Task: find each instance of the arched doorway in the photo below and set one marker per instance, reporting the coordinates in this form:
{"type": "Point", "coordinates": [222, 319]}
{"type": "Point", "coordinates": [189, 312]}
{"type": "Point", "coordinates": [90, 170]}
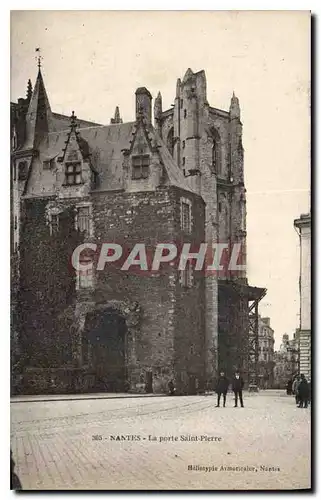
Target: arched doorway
{"type": "Point", "coordinates": [105, 331]}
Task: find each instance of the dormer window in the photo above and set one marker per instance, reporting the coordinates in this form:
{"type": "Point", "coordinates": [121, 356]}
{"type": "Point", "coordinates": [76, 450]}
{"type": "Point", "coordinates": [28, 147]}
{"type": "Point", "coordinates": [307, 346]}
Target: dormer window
{"type": "Point", "coordinates": [140, 167]}
{"type": "Point", "coordinates": [48, 164]}
{"type": "Point", "coordinates": [73, 173]}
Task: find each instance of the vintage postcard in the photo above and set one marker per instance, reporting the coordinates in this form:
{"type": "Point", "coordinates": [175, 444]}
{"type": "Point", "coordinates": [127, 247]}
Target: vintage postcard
{"type": "Point", "coordinates": [160, 250]}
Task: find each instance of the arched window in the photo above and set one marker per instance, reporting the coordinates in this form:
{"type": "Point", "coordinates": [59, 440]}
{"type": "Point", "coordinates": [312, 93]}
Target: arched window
{"type": "Point", "coordinates": [216, 156]}
{"type": "Point", "coordinates": [170, 141]}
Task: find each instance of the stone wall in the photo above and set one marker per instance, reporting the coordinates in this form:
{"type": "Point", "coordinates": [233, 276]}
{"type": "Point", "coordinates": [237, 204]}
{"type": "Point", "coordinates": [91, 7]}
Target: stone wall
{"type": "Point", "coordinates": [166, 337]}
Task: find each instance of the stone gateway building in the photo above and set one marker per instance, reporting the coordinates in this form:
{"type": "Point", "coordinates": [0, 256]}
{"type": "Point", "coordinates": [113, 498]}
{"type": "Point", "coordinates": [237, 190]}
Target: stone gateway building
{"type": "Point", "coordinates": [177, 178]}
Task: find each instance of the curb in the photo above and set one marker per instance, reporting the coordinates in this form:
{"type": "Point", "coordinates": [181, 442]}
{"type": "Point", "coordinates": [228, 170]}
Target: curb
{"type": "Point", "coordinates": [91, 398]}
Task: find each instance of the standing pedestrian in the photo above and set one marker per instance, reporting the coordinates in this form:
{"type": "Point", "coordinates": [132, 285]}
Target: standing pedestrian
{"type": "Point", "coordinates": [289, 387]}
{"type": "Point", "coordinates": [237, 387]}
{"type": "Point", "coordinates": [295, 386]}
{"type": "Point", "coordinates": [309, 385]}
{"type": "Point", "coordinates": [171, 388]}
{"type": "Point", "coordinates": [221, 388]}
{"type": "Point", "coordinates": [303, 392]}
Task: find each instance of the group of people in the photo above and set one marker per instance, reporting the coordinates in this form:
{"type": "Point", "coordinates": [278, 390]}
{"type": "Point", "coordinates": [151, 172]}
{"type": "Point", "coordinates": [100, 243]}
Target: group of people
{"type": "Point", "coordinates": [301, 389]}
{"type": "Point", "coordinates": [221, 389]}
{"type": "Point", "coordinates": [222, 386]}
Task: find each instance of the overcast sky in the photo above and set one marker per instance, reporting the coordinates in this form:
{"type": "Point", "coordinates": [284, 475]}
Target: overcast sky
{"type": "Point", "coordinates": [93, 61]}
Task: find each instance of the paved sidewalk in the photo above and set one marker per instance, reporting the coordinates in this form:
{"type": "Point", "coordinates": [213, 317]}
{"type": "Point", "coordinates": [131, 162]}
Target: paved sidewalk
{"type": "Point", "coordinates": [127, 443]}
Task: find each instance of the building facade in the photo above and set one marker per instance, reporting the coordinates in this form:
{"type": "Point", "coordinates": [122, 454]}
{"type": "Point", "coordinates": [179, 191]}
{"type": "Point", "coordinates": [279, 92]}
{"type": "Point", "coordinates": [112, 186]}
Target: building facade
{"type": "Point", "coordinates": [266, 354]}
{"type": "Point", "coordinates": [286, 360]}
{"type": "Point", "coordinates": [303, 225]}
{"type": "Point", "coordinates": [179, 179]}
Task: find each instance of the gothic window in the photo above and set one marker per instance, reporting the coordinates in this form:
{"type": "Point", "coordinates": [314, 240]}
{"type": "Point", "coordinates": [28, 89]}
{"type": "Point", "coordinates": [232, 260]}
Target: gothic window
{"type": "Point", "coordinates": [83, 219]}
{"type": "Point", "coordinates": [183, 144]}
{"type": "Point", "coordinates": [14, 141]}
{"type": "Point", "coordinates": [85, 277]}
{"type": "Point", "coordinates": [185, 113]}
{"type": "Point", "coordinates": [186, 216]}
{"type": "Point", "coordinates": [170, 141]}
{"type": "Point", "coordinates": [140, 167]}
{"type": "Point", "coordinates": [216, 152]}
{"type": "Point", "coordinates": [15, 222]}
{"type": "Point", "coordinates": [73, 173]}
{"type": "Point", "coordinates": [22, 171]}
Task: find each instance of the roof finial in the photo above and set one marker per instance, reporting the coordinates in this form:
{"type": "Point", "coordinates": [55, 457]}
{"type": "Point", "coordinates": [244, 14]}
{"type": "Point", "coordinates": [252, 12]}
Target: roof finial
{"type": "Point", "coordinates": [39, 56]}
{"type": "Point", "coordinates": [73, 121]}
{"type": "Point", "coordinates": [117, 118]}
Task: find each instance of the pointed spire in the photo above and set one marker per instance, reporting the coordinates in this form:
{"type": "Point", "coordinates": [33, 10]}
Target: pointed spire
{"type": "Point", "coordinates": [117, 118]}
{"type": "Point", "coordinates": [189, 73]}
{"type": "Point", "coordinates": [158, 109]}
{"type": "Point", "coordinates": [235, 107]}
{"type": "Point", "coordinates": [39, 120]}
{"type": "Point", "coordinates": [117, 114]}
{"type": "Point", "coordinates": [29, 90]}
{"type": "Point", "coordinates": [158, 106]}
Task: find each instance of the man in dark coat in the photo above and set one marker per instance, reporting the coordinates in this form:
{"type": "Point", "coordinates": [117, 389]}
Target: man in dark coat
{"type": "Point", "coordinates": [237, 387]}
{"type": "Point", "coordinates": [289, 387]}
{"type": "Point", "coordinates": [303, 392]}
{"type": "Point", "coordinates": [221, 388]}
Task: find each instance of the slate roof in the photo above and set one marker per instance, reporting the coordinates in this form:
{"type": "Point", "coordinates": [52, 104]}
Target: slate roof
{"type": "Point", "coordinates": [62, 122]}
{"type": "Point", "coordinates": [105, 144]}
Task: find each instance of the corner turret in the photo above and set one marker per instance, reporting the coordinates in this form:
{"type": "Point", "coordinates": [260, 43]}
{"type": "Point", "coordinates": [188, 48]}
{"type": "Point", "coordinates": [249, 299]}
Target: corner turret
{"type": "Point", "coordinates": [235, 108]}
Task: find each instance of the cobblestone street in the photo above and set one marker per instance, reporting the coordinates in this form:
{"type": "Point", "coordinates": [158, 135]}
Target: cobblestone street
{"type": "Point", "coordinates": [72, 444]}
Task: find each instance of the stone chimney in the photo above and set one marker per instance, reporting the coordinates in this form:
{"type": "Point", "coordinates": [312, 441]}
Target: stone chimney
{"type": "Point", "coordinates": [143, 104]}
